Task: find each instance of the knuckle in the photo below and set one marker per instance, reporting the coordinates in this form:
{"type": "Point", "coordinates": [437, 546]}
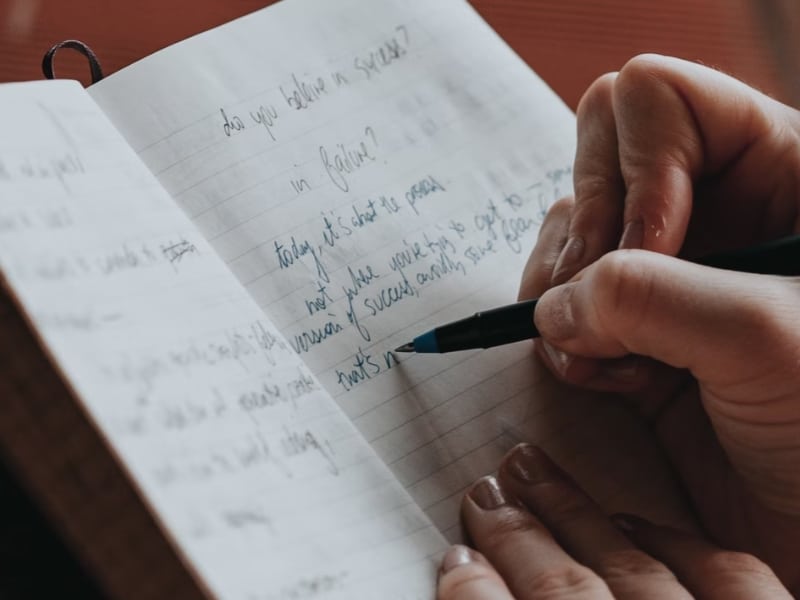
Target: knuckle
{"type": "Point", "coordinates": [623, 289]}
{"type": "Point", "coordinates": [736, 565]}
{"type": "Point", "coordinates": [648, 84]}
{"type": "Point", "coordinates": [770, 307]}
{"type": "Point", "coordinates": [560, 503]}
{"type": "Point", "coordinates": [598, 97]}
{"type": "Point", "coordinates": [509, 527]}
{"type": "Point", "coordinates": [595, 195]}
{"type": "Point", "coordinates": [563, 581]}
{"type": "Point", "coordinates": [561, 209]}
{"type": "Point", "coordinates": [458, 583]}
{"type": "Point", "coordinates": [640, 72]}
{"type": "Point", "coordinates": [591, 188]}
{"type": "Point", "coordinates": [556, 220]}
{"type": "Point", "coordinates": [623, 565]}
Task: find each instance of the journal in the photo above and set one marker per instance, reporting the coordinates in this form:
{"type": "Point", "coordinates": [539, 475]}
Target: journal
{"type": "Point", "coordinates": [208, 258]}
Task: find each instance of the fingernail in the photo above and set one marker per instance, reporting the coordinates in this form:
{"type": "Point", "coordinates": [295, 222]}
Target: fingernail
{"type": "Point", "coordinates": [568, 260]}
{"type": "Point", "coordinates": [487, 494]}
{"type": "Point", "coordinates": [560, 360]}
{"type": "Point", "coordinates": [456, 556]}
{"type": "Point", "coordinates": [528, 464]}
{"type": "Point", "coordinates": [633, 235]}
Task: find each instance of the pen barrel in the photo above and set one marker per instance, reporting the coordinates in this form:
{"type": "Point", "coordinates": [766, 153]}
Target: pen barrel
{"type": "Point", "coordinates": [777, 257]}
{"type": "Point", "coordinates": [489, 328]}
{"type": "Point", "coordinates": [514, 323]}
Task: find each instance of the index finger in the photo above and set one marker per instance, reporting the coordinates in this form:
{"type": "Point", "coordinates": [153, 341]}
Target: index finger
{"type": "Point", "coordinates": [645, 138]}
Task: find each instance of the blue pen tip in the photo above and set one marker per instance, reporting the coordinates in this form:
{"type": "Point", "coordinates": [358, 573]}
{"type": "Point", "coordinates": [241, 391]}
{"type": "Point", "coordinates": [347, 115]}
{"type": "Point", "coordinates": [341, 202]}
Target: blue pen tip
{"type": "Point", "coordinates": [426, 343]}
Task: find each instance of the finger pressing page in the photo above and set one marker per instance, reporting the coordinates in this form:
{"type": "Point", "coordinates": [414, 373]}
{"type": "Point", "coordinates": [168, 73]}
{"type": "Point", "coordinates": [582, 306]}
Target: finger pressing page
{"type": "Point", "coordinates": [582, 529]}
{"type": "Point", "coordinates": [705, 569]}
{"type": "Point", "coordinates": [599, 190]}
{"type": "Point", "coordinates": [552, 235]}
{"type": "Point", "coordinates": [466, 575]}
{"type": "Point", "coordinates": [530, 561]}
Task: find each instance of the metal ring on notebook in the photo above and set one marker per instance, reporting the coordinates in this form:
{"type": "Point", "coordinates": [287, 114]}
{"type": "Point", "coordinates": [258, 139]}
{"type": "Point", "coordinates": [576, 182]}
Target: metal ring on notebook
{"type": "Point", "coordinates": [94, 64]}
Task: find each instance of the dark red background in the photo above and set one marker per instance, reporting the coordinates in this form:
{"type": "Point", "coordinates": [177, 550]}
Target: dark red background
{"type": "Point", "coordinates": [568, 42]}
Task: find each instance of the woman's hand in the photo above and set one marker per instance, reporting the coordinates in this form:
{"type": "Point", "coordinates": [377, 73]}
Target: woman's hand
{"type": "Point", "coordinates": [541, 537]}
{"type": "Point", "coordinates": [681, 160]}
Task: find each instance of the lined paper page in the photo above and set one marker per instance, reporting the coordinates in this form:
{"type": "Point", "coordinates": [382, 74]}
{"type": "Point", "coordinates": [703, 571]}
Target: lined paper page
{"type": "Point", "coordinates": [368, 170]}
{"type": "Point", "coordinates": [256, 474]}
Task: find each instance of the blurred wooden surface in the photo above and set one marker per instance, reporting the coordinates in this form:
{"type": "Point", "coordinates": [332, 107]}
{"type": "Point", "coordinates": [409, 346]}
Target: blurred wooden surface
{"type": "Point", "coordinates": [568, 42]}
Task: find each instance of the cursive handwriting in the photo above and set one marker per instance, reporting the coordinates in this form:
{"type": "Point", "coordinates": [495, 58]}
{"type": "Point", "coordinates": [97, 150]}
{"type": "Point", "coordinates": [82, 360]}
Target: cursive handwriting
{"type": "Point", "coordinates": [341, 160]}
{"type": "Point", "coordinates": [233, 345]}
{"type": "Point", "coordinates": [302, 92]}
{"type": "Point", "coordinates": [405, 271]}
{"type": "Point", "coordinates": [308, 587]}
{"type": "Point", "coordinates": [387, 53]}
{"type": "Point", "coordinates": [42, 168]}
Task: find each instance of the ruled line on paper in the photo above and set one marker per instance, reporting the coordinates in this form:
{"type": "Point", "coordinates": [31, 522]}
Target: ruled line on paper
{"type": "Point", "coordinates": [413, 199]}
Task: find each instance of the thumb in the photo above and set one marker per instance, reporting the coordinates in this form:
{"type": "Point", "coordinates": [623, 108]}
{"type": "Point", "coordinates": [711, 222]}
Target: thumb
{"type": "Point", "coordinates": [737, 333]}
{"type": "Point", "coordinates": [725, 327]}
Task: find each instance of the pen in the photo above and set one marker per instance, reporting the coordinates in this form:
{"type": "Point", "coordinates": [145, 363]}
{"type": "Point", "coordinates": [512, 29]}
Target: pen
{"type": "Point", "coordinates": [514, 323]}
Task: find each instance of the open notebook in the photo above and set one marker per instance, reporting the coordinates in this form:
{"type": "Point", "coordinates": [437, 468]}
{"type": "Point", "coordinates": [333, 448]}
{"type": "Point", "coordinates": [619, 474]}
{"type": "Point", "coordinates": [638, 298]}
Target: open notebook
{"type": "Point", "coordinates": [209, 257]}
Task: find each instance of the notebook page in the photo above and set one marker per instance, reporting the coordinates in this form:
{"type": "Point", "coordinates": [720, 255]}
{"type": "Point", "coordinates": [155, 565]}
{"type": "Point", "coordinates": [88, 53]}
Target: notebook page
{"type": "Point", "coordinates": [370, 169]}
{"type": "Point", "coordinates": [261, 481]}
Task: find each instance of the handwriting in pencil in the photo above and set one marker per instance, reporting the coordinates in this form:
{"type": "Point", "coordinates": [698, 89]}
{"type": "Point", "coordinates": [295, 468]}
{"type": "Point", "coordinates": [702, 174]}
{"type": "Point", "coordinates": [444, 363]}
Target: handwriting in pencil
{"type": "Point", "coordinates": [407, 269]}
{"type": "Point", "coordinates": [423, 188]}
{"type": "Point", "coordinates": [342, 159]}
{"type": "Point", "coordinates": [60, 167]}
{"type": "Point", "coordinates": [363, 367]}
{"type": "Point", "coordinates": [252, 451]}
{"type": "Point", "coordinates": [307, 588]}
{"type": "Point", "coordinates": [291, 253]}
{"type": "Point", "coordinates": [303, 91]}
{"type": "Point", "coordinates": [306, 339]}
{"type": "Point", "coordinates": [254, 342]}
{"type": "Point", "coordinates": [384, 55]}
{"type": "Point", "coordinates": [175, 252]}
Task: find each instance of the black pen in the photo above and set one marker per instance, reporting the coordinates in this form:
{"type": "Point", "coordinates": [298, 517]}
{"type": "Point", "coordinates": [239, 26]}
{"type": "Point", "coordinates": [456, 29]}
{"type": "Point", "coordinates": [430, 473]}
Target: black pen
{"type": "Point", "coordinates": [514, 323]}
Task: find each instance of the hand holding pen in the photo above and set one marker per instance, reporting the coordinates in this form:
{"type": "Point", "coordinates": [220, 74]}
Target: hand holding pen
{"type": "Point", "coordinates": [674, 162]}
{"type": "Point", "coordinates": [515, 322]}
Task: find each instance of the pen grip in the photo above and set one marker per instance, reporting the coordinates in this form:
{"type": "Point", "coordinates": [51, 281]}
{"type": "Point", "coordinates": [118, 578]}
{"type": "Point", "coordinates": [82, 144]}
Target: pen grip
{"type": "Point", "coordinates": [514, 323]}
{"type": "Point", "coordinates": [507, 324]}
{"type": "Point", "coordinates": [489, 328]}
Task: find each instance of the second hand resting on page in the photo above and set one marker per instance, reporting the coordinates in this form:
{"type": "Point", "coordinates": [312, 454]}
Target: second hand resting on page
{"type": "Point", "coordinates": [673, 159]}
